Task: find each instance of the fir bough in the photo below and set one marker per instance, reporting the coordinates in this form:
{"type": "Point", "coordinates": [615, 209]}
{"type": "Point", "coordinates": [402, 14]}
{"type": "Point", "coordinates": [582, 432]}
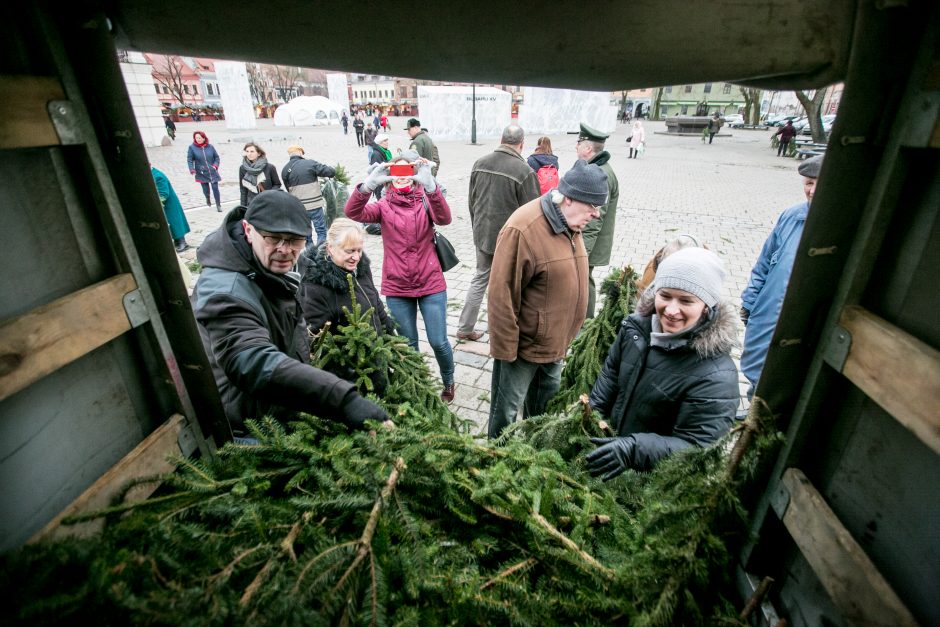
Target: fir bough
{"type": "Point", "coordinates": [589, 350]}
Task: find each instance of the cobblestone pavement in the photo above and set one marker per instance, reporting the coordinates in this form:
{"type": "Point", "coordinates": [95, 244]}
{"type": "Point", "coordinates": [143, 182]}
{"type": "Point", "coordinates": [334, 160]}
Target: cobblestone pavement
{"type": "Point", "coordinates": [728, 194]}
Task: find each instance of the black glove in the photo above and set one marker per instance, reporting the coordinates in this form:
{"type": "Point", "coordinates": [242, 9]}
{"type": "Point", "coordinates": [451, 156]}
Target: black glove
{"type": "Point", "coordinates": [745, 314]}
{"type": "Point", "coordinates": [356, 410]}
{"type": "Point", "coordinates": [612, 457]}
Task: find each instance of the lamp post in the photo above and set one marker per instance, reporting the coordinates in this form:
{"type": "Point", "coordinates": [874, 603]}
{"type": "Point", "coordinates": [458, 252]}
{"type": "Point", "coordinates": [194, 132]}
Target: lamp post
{"type": "Point", "coordinates": [473, 121]}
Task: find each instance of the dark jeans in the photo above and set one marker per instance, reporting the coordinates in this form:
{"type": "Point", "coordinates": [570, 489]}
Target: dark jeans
{"type": "Point", "coordinates": [518, 383]}
{"type": "Point", "coordinates": [434, 311]}
{"type": "Point", "coordinates": [782, 147]}
{"type": "Point", "coordinates": [215, 191]}
{"type": "Point", "coordinates": [359, 137]}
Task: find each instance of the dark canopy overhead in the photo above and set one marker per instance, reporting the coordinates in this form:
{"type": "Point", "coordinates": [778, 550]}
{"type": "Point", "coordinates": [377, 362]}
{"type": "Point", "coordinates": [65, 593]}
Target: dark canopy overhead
{"type": "Point", "coordinates": [605, 44]}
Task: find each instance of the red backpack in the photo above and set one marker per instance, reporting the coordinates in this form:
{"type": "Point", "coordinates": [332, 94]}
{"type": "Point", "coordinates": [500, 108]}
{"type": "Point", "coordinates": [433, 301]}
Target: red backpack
{"type": "Point", "coordinates": [548, 178]}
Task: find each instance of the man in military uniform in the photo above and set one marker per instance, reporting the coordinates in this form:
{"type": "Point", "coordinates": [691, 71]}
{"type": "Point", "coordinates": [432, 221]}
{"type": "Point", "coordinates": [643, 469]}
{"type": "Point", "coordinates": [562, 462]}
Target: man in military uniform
{"type": "Point", "coordinates": [422, 144]}
{"type": "Point", "coordinates": [598, 234]}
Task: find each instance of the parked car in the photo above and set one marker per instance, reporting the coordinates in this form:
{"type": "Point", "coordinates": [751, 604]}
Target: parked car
{"type": "Point", "coordinates": [778, 119]}
{"type": "Point", "coordinates": [734, 118]}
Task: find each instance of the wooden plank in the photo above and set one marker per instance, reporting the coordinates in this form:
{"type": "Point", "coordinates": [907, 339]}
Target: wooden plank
{"type": "Point", "coordinates": [147, 459]}
{"type": "Point", "coordinates": [854, 585]}
{"type": "Point", "coordinates": [24, 118]}
{"type": "Point", "coordinates": [896, 370]}
{"type": "Point", "coordinates": [49, 337]}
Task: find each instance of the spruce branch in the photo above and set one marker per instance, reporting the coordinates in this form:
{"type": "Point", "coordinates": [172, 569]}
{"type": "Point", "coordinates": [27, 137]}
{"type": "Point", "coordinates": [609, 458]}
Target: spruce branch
{"type": "Point", "coordinates": [570, 545]}
{"type": "Point", "coordinates": [523, 565]}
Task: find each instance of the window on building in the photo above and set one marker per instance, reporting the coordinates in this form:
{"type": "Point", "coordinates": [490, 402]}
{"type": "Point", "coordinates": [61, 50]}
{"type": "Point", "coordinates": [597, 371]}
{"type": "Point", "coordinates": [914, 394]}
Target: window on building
{"type": "Point", "coordinates": [185, 89]}
{"type": "Point", "coordinates": [726, 89]}
{"type": "Point", "coordinates": [157, 87]}
{"type": "Point", "coordinates": [209, 89]}
{"type": "Point", "coordinates": [166, 89]}
{"type": "Point", "coordinates": [688, 90]}
{"type": "Point", "coordinates": [708, 88]}
{"type": "Point", "coordinates": [218, 91]}
{"type": "Point", "coordinates": [195, 90]}
{"type": "Point", "coordinates": [685, 109]}
{"type": "Point", "coordinates": [667, 90]}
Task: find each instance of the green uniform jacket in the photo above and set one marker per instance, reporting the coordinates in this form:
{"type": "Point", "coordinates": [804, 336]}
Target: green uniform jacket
{"type": "Point", "coordinates": [424, 146]}
{"type": "Point", "coordinates": [599, 234]}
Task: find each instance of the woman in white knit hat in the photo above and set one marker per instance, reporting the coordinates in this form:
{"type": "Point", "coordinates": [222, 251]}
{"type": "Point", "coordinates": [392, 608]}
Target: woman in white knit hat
{"type": "Point", "coordinates": [669, 382]}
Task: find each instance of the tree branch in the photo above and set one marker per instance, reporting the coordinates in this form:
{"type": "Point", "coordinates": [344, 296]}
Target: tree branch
{"type": "Point", "coordinates": [570, 545]}
{"type": "Point", "coordinates": [512, 569]}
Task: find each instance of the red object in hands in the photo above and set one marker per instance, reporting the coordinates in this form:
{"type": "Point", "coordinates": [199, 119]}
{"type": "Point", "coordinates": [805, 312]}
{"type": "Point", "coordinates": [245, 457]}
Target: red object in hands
{"type": "Point", "coordinates": [401, 169]}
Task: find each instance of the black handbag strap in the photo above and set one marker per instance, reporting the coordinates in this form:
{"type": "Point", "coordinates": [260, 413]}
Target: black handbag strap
{"type": "Point", "coordinates": [427, 209]}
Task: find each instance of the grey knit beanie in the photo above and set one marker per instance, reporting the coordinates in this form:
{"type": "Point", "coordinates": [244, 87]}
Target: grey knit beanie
{"type": "Point", "coordinates": [584, 182]}
{"type": "Point", "coordinates": [696, 270]}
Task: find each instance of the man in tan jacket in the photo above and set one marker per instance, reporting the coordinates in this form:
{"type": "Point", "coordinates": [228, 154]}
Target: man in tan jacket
{"type": "Point", "coordinates": [538, 293]}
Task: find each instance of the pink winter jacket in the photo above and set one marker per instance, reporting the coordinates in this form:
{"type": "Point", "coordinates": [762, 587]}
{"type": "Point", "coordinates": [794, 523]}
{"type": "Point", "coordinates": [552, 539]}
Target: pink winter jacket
{"type": "Point", "coordinates": [410, 268]}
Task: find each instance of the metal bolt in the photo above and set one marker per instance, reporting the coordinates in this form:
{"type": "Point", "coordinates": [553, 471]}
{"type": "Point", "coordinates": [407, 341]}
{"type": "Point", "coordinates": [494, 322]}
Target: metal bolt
{"type": "Point", "coordinates": [63, 110]}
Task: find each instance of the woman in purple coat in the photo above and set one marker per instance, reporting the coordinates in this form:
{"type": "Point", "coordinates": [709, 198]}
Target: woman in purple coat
{"type": "Point", "coordinates": [203, 161]}
{"type": "Point", "coordinates": [412, 278]}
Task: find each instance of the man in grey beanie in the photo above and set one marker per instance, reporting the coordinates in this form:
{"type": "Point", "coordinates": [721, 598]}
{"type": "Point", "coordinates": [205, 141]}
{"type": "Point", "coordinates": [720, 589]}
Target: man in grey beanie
{"type": "Point", "coordinates": [762, 299]}
{"type": "Point", "coordinates": [247, 306]}
{"type": "Point", "coordinates": [538, 293]}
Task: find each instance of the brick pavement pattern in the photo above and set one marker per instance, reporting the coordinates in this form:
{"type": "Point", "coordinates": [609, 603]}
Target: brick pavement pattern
{"type": "Point", "coordinates": [727, 194]}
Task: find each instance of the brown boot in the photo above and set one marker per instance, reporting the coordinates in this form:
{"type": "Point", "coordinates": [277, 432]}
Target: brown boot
{"type": "Point", "coordinates": [447, 394]}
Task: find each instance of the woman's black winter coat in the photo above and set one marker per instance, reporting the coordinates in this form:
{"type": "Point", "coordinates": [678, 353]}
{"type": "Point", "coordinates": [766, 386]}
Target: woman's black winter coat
{"type": "Point", "coordinates": [326, 292]}
{"type": "Point", "coordinates": [669, 399]}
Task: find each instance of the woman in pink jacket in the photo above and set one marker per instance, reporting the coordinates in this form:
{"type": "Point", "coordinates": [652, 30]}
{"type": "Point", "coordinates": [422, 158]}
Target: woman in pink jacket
{"type": "Point", "coordinates": [411, 273]}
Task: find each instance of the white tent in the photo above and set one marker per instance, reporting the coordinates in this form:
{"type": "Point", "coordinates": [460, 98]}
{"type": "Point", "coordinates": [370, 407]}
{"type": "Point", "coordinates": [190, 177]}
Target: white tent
{"type": "Point", "coordinates": [554, 111]}
{"type": "Point", "coordinates": [447, 111]}
{"type": "Point", "coordinates": [307, 111]}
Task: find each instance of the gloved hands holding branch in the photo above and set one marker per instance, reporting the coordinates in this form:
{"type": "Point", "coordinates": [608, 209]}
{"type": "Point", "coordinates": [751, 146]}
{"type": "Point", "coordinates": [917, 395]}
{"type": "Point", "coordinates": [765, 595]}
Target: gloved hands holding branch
{"type": "Point", "coordinates": [423, 176]}
{"type": "Point", "coordinates": [377, 177]}
{"type": "Point", "coordinates": [356, 410]}
{"type": "Point", "coordinates": [612, 457]}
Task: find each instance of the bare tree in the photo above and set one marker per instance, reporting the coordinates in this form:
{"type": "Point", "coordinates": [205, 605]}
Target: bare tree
{"type": "Point", "coordinates": [257, 82]}
{"type": "Point", "coordinates": [752, 98]}
{"type": "Point", "coordinates": [813, 107]}
{"type": "Point", "coordinates": [168, 70]}
{"type": "Point", "coordinates": [657, 96]}
{"type": "Point", "coordinates": [284, 78]}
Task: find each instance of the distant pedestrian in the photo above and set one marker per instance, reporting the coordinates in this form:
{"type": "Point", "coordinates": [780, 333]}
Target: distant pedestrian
{"type": "Point", "coordinates": [172, 210]}
{"type": "Point", "coordinates": [637, 139]}
{"type": "Point", "coordinates": [255, 174]}
{"type": "Point", "coordinates": [784, 135]}
{"type": "Point", "coordinates": [301, 180]}
{"type": "Point", "coordinates": [170, 127]}
{"type": "Point", "coordinates": [384, 120]}
{"type": "Point", "coordinates": [345, 122]}
{"type": "Point", "coordinates": [369, 139]}
{"type": "Point", "coordinates": [203, 161]}
{"type": "Point", "coordinates": [358, 126]}
{"type": "Point", "coordinates": [714, 125]}
{"type": "Point", "coordinates": [376, 121]}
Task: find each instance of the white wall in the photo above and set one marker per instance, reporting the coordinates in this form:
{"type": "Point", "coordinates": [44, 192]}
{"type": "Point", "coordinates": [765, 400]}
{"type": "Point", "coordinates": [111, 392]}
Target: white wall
{"type": "Point", "coordinates": [552, 111]}
{"type": "Point", "coordinates": [236, 95]}
{"type": "Point", "coordinates": [144, 99]}
{"type": "Point", "coordinates": [447, 112]}
{"type": "Point", "coordinates": [338, 89]}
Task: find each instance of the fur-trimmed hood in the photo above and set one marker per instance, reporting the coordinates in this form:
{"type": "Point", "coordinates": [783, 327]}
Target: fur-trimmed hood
{"type": "Point", "coordinates": [323, 271]}
{"type": "Point", "coordinates": [715, 336]}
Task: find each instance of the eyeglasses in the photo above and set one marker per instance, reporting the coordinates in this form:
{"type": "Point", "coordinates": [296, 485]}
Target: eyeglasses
{"type": "Point", "coordinates": [276, 240]}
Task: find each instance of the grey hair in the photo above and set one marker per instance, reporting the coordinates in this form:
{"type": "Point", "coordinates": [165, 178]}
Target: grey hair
{"type": "Point", "coordinates": [513, 135]}
{"type": "Point", "coordinates": [597, 146]}
{"type": "Point", "coordinates": [341, 230]}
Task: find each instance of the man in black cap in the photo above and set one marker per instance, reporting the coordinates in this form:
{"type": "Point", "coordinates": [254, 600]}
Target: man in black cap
{"type": "Point", "coordinates": [422, 144]}
{"type": "Point", "coordinates": [599, 234]}
{"type": "Point", "coordinates": [247, 305]}
{"type": "Point", "coordinates": [763, 297]}
{"type": "Point", "coordinates": [538, 293]}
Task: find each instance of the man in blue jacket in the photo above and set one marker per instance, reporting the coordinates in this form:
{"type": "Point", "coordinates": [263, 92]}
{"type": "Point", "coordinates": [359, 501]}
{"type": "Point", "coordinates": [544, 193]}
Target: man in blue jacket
{"type": "Point", "coordinates": [762, 299]}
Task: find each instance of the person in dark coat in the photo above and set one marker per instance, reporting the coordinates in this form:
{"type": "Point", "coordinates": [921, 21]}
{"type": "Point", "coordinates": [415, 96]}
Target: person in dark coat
{"type": "Point", "coordinates": [345, 122]}
{"type": "Point", "coordinates": [786, 133]}
{"type": "Point", "coordinates": [669, 382]}
{"type": "Point", "coordinates": [255, 174]}
{"type": "Point", "coordinates": [326, 287]}
{"type": "Point", "coordinates": [542, 155]}
{"type": "Point", "coordinates": [301, 178]}
{"type": "Point", "coordinates": [172, 209]}
{"type": "Point", "coordinates": [203, 161]}
{"type": "Point", "coordinates": [170, 127]}
{"type": "Point", "coordinates": [358, 125]}
{"type": "Point", "coordinates": [247, 305]}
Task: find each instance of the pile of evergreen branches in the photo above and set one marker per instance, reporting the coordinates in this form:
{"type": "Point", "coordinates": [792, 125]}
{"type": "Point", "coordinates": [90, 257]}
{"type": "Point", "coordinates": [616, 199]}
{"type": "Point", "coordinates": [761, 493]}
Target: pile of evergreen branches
{"type": "Point", "coordinates": [416, 524]}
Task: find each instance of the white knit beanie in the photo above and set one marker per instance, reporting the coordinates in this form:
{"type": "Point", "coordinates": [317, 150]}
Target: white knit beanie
{"type": "Point", "coordinates": [695, 270]}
